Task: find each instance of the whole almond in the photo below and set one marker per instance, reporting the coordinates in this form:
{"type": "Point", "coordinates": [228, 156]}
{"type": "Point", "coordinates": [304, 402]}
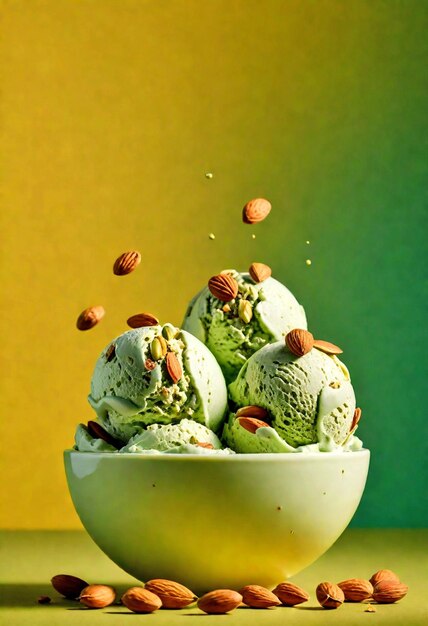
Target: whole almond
{"type": "Point", "coordinates": [223, 287]}
{"type": "Point", "coordinates": [141, 600]}
{"type": "Point", "coordinates": [97, 596]}
{"type": "Point", "coordinates": [290, 594]}
{"type": "Point", "coordinates": [173, 366]}
{"type": "Point", "coordinates": [259, 272]}
{"type": "Point", "coordinates": [258, 597]}
{"type": "Point", "coordinates": [299, 341]}
{"type": "Point", "coordinates": [142, 319]}
{"type": "Point", "coordinates": [330, 596]}
{"type": "Point", "coordinates": [90, 317]}
{"type": "Point", "coordinates": [252, 411]}
{"type": "Point", "coordinates": [356, 589]}
{"type": "Point", "coordinates": [126, 263]}
{"type": "Point", "coordinates": [68, 586]}
{"type": "Point", "coordinates": [383, 574]}
{"type": "Point", "coordinates": [173, 595]}
{"type": "Point", "coordinates": [389, 591]}
{"type": "Point", "coordinates": [219, 601]}
{"type": "Point", "coordinates": [356, 418]}
{"type": "Point", "coordinates": [327, 347]}
{"type": "Point", "coordinates": [256, 211]}
{"type": "Point", "coordinates": [98, 432]}
{"type": "Point", "coordinates": [251, 423]}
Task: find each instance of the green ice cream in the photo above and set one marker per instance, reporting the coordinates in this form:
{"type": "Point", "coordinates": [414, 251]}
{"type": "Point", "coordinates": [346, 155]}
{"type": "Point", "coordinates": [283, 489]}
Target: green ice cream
{"type": "Point", "coordinates": [310, 400]}
{"type": "Point", "coordinates": [132, 386]}
{"type": "Point", "coordinates": [186, 436]}
{"type": "Point", "coordinates": [233, 338]}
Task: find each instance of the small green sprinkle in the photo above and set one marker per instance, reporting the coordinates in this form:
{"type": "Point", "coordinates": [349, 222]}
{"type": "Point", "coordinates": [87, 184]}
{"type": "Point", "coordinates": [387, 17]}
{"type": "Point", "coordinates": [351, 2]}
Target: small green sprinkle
{"type": "Point", "coordinates": [308, 262]}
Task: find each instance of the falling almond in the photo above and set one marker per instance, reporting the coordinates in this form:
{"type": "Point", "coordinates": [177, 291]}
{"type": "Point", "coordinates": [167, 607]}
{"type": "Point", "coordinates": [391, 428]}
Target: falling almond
{"type": "Point", "coordinates": [142, 319]}
{"type": "Point", "coordinates": [126, 263]}
{"type": "Point", "coordinates": [90, 317]}
{"type": "Point", "coordinates": [256, 211]}
{"type": "Point", "coordinates": [259, 272]}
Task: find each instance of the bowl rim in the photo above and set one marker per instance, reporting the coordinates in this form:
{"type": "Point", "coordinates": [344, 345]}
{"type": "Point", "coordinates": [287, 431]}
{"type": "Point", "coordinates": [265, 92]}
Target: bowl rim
{"type": "Point", "coordinates": [226, 458]}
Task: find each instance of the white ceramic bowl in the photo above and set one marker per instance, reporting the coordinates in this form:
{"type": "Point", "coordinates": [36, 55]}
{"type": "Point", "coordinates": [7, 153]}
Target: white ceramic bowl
{"type": "Point", "coordinates": [216, 521]}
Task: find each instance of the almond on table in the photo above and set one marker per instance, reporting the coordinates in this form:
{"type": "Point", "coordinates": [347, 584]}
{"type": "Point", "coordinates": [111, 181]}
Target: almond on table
{"type": "Point", "coordinates": [290, 594]}
{"type": "Point", "coordinates": [141, 600]}
{"type": "Point", "coordinates": [68, 586]}
{"type": "Point", "coordinates": [97, 596]}
{"type": "Point", "coordinates": [329, 595]}
{"type": "Point", "coordinates": [173, 594]}
{"type": "Point", "coordinates": [258, 597]}
{"type": "Point", "coordinates": [220, 601]}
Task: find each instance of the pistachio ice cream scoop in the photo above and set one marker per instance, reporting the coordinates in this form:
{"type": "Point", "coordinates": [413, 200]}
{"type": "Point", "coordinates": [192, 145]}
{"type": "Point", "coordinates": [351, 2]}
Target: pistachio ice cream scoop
{"type": "Point", "coordinates": [239, 313]}
{"type": "Point", "coordinates": [309, 399]}
{"type": "Point", "coordinates": [156, 374]}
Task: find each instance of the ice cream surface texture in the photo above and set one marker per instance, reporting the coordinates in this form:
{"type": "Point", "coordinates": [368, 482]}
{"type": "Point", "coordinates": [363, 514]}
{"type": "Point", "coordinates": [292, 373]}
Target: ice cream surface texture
{"type": "Point", "coordinates": [309, 400]}
{"type": "Point", "coordinates": [234, 332]}
{"type": "Point", "coordinates": [156, 375]}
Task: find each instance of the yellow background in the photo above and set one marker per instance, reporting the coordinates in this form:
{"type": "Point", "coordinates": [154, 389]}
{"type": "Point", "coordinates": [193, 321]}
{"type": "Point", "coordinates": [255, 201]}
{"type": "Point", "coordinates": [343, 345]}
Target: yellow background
{"type": "Point", "coordinates": [114, 110]}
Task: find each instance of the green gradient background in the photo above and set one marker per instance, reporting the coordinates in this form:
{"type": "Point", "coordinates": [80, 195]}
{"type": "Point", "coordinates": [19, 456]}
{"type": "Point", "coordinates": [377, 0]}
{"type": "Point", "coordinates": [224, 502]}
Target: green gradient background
{"type": "Point", "coordinates": [112, 113]}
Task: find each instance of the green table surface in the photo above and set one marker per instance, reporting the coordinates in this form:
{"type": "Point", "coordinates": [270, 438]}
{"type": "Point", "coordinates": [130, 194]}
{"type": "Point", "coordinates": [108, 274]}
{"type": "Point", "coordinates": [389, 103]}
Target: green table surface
{"type": "Point", "coordinates": [29, 559]}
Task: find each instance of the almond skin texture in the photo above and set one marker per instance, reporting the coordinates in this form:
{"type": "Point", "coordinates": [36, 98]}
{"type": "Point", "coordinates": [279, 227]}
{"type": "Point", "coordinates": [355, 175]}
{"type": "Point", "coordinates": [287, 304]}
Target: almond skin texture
{"type": "Point", "coordinates": [383, 574]}
{"type": "Point", "coordinates": [299, 341]}
{"type": "Point", "coordinates": [90, 317]}
{"type": "Point", "coordinates": [389, 591]}
{"type": "Point", "coordinates": [290, 594]}
{"type": "Point", "coordinates": [142, 319]}
{"type": "Point", "coordinates": [256, 211]}
{"type": "Point", "coordinates": [251, 423]}
{"type": "Point", "coordinates": [258, 597]}
{"type": "Point", "coordinates": [252, 411]}
{"type": "Point", "coordinates": [327, 347]}
{"type": "Point", "coordinates": [172, 594]}
{"type": "Point", "coordinates": [330, 596]}
{"type": "Point", "coordinates": [259, 272]}
{"type": "Point", "coordinates": [97, 596]}
{"type": "Point", "coordinates": [98, 432]}
{"type": "Point", "coordinates": [220, 601]}
{"type": "Point", "coordinates": [205, 444]}
{"type": "Point", "coordinates": [126, 263]}
{"type": "Point", "coordinates": [173, 366]}
{"type": "Point", "coordinates": [356, 589]}
{"type": "Point", "coordinates": [68, 586]}
{"type": "Point", "coordinates": [141, 600]}
{"type": "Point", "coordinates": [223, 287]}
